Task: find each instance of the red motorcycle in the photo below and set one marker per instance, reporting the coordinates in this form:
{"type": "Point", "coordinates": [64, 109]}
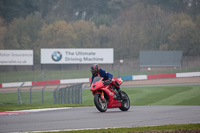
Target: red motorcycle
{"type": "Point", "coordinates": [105, 96]}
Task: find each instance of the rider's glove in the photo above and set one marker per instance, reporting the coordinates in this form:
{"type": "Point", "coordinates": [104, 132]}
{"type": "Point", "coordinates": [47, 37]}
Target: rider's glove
{"type": "Point", "coordinates": [107, 82]}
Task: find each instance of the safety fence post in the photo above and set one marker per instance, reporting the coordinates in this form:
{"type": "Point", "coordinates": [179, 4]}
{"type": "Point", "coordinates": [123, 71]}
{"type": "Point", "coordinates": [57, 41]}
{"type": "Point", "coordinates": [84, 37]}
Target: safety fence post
{"type": "Point", "coordinates": [80, 93]}
{"type": "Point", "coordinates": [31, 93]}
{"type": "Point", "coordinates": [54, 95]}
{"type": "Point", "coordinates": [73, 94]}
{"type": "Point", "coordinates": [43, 93]}
{"type": "Point", "coordinates": [65, 94]}
{"type": "Point", "coordinates": [68, 95]}
{"type": "Point", "coordinates": [60, 92]}
{"type": "Point", "coordinates": [19, 101]}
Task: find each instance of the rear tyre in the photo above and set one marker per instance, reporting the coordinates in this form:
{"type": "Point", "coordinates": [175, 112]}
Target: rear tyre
{"type": "Point", "coordinates": [100, 104]}
{"type": "Point", "coordinates": [125, 102]}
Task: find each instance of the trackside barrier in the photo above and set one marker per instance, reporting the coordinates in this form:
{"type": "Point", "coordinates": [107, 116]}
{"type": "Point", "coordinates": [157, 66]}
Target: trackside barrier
{"type": "Point", "coordinates": [68, 95]}
{"type": "Point", "coordinates": [87, 80]}
{"type": "Point", "coordinates": [126, 77]}
{"type": "Point", "coordinates": [54, 95]}
{"type": "Point", "coordinates": [43, 93]}
{"type": "Point", "coordinates": [161, 76]}
{"type": "Point", "coordinates": [19, 101]}
{"type": "Point", "coordinates": [191, 74]}
{"type": "Point", "coordinates": [40, 95]}
{"type": "Point", "coordinates": [139, 77]}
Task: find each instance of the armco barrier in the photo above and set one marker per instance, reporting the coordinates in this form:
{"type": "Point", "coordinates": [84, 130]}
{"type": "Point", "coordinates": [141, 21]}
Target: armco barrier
{"type": "Point", "coordinates": [191, 74]}
{"type": "Point", "coordinates": [16, 84]}
{"type": "Point", "coordinates": [50, 82]}
{"type": "Point", "coordinates": [161, 76]}
{"type": "Point", "coordinates": [126, 77]}
{"type": "Point", "coordinates": [70, 81]}
{"type": "Point", "coordinates": [87, 80]}
{"type": "Point", "coordinates": [139, 77]}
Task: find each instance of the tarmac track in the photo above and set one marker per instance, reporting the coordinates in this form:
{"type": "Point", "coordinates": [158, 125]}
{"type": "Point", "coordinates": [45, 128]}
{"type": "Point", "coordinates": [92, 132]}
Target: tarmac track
{"type": "Point", "coordinates": [91, 118]}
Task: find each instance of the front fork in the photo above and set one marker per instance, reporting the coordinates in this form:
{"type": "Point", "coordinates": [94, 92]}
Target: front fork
{"type": "Point", "coordinates": [102, 95]}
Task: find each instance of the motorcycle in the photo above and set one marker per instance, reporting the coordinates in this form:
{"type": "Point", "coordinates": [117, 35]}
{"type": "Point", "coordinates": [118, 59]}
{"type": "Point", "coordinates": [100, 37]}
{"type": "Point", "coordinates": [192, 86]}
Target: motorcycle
{"type": "Point", "coordinates": [105, 96]}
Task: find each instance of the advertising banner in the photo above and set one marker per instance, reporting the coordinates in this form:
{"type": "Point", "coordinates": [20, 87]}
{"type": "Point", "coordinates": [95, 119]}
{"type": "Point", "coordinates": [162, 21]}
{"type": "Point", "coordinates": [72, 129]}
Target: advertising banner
{"type": "Point", "coordinates": [77, 56]}
{"type": "Point", "coordinates": [16, 57]}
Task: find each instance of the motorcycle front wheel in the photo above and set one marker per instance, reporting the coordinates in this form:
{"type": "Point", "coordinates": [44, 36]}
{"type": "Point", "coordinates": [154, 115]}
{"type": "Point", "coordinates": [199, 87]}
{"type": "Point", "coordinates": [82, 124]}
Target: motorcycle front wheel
{"type": "Point", "coordinates": [125, 102]}
{"type": "Point", "coordinates": [100, 104]}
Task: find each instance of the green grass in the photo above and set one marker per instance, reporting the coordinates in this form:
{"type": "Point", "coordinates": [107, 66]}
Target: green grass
{"type": "Point", "coordinates": [173, 95]}
{"type": "Point", "coordinates": [162, 95]}
{"type": "Point", "coordinates": [157, 129]}
{"type": "Point", "coordinates": [25, 97]}
{"type": "Point", "coordinates": [6, 77]}
{"type": "Point", "coordinates": [139, 96]}
{"type": "Point", "coordinates": [8, 98]}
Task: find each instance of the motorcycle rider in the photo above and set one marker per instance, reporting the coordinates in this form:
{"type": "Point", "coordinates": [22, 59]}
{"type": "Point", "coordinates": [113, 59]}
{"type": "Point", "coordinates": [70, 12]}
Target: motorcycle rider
{"type": "Point", "coordinates": [107, 77]}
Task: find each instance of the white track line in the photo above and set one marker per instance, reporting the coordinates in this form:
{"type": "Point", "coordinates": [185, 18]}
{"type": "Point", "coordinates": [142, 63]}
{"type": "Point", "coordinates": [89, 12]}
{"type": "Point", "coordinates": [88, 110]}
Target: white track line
{"type": "Point", "coordinates": [31, 111]}
{"type": "Point", "coordinates": [40, 110]}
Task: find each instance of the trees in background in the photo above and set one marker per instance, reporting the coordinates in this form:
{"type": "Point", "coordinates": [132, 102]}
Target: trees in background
{"type": "Point", "coordinates": [126, 25]}
{"type": "Point", "coordinates": [2, 33]}
{"type": "Point", "coordinates": [184, 35]}
{"type": "Point", "coordinates": [10, 9]}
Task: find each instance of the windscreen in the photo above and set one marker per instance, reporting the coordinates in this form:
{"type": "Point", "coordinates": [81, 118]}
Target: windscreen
{"type": "Point", "coordinates": [97, 79]}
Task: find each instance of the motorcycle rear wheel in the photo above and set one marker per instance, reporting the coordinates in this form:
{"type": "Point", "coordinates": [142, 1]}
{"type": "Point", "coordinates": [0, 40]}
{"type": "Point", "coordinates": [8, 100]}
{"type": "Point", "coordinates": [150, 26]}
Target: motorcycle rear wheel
{"type": "Point", "coordinates": [125, 102]}
{"type": "Point", "coordinates": [100, 104]}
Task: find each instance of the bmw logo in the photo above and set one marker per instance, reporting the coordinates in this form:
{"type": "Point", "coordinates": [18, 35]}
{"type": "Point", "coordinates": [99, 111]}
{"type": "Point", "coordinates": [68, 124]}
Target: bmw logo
{"type": "Point", "coordinates": [56, 56]}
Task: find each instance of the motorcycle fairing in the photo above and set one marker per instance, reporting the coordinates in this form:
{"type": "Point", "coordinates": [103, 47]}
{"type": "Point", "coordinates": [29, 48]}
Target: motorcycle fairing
{"type": "Point", "coordinates": [117, 82]}
{"type": "Point", "coordinates": [99, 86]}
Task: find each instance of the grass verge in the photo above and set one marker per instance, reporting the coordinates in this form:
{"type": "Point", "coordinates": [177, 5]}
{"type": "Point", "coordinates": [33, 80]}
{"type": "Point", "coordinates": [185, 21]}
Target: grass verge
{"type": "Point", "coordinates": [139, 96]}
{"type": "Point", "coordinates": [186, 128]}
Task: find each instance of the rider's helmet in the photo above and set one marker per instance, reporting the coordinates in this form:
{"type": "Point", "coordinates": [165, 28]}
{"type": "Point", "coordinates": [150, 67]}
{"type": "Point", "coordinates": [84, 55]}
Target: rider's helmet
{"type": "Point", "coordinates": [94, 69]}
